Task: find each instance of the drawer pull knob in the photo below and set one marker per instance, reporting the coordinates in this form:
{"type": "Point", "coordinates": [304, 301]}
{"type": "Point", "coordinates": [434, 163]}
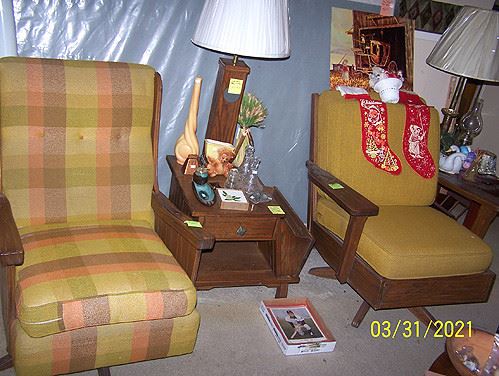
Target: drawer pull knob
{"type": "Point", "coordinates": [241, 231]}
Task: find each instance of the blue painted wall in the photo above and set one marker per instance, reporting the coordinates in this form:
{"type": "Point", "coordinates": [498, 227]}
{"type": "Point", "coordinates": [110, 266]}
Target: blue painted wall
{"type": "Point", "coordinates": [158, 33]}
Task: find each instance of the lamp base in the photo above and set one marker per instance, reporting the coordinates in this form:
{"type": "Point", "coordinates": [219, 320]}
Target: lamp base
{"type": "Point", "coordinates": [226, 102]}
{"type": "Point", "coordinates": [448, 122]}
{"type": "Point", "coordinates": [451, 114]}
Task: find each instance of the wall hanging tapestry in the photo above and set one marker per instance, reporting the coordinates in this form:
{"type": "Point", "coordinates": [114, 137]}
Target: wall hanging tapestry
{"type": "Point", "coordinates": [432, 16]}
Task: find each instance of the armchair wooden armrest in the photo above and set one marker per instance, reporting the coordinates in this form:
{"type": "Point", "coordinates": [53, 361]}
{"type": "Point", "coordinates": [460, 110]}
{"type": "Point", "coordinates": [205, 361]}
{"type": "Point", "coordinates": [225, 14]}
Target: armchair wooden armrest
{"type": "Point", "coordinates": [11, 254]}
{"type": "Point", "coordinates": [11, 248]}
{"type": "Point", "coordinates": [350, 200]}
{"type": "Point", "coordinates": [357, 206]}
{"type": "Point", "coordinates": [184, 242]}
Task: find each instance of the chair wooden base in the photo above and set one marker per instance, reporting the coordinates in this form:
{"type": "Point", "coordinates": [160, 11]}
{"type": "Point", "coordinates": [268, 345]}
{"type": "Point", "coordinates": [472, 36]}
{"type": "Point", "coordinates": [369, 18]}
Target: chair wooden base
{"type": "Point", "coordinates": [104, 371]}
{"type": "Point", "coordinates": [383, 293]}
{"type": "Point", "coordinates": [421, 313]}
{"type": "Point", "coordinates": [6, 362]}
{"type": "Point", "coordinates": [424, 316]}
{"type": "Point", "coordinates": [323, 272]}
{"type": "Point", "coordinates": [361, 313]}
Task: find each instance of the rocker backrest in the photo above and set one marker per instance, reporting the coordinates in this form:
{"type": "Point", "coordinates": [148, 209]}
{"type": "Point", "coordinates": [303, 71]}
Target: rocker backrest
{"type": "Point", "coordinates": [337, 144]}
{"type": "Point", "coordinates": [75, 140]}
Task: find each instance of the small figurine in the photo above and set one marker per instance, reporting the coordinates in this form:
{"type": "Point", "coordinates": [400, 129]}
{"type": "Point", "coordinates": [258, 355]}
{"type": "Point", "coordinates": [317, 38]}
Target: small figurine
{"type": "Point", "coordinates": [386, 83]}
{"type": "Point", "coordinates": [218, 156]}
{"type": "Point", "coordinates": [203, 191]}
{"type": "Point", "coordinates": [452, 163]}
{"type": "Point", "coordinates": [222, 164]}
{"type": "Point", "coordinates": [190, 164]}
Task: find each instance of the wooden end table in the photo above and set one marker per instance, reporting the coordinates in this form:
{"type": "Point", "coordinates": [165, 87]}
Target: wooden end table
{"type": "Point", "coordinates": [253, 247]}
{"type": "Point", "coordinates": [483, 204]}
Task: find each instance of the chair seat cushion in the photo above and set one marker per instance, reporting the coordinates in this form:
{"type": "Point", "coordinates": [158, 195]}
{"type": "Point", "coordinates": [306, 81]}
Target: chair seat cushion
{"type": "Point", "coordinates": [92, 274]}
{"type": "Point", "coordinates": [404, 242]}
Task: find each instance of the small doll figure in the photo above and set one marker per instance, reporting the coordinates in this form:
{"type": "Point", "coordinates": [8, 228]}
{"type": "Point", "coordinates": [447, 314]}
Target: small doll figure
{"type": "Point", "coordinates": [222, 164]}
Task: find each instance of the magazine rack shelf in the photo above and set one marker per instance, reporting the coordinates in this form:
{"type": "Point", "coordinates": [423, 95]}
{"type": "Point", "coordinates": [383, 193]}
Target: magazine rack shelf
{"type": "Point", "coordinates": [253, 247]}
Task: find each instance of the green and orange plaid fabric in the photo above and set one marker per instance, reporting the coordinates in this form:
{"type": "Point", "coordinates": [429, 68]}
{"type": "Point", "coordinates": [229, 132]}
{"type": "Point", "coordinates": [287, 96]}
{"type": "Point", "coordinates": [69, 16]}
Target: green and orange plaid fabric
{"type": "Point", "coordinates": [97, 274]}
{"type": "Point", "coordinates": [75, 140]}
{"type": "Point", "coordinates": [107, 345]}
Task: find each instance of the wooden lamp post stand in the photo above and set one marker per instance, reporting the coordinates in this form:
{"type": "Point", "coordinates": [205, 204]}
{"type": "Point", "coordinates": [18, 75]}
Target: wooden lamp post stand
{"type": "Point", "coordinates": [229, 90]}
{"type": "Point", "coordinates": [240, 28]}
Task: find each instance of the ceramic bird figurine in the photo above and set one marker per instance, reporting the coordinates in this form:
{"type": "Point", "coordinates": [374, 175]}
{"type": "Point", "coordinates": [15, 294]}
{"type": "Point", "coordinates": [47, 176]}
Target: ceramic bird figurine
{"type": "Point", "coordinates": [187, 143]}
{"type": "Point", "coordinates": [452, 163]}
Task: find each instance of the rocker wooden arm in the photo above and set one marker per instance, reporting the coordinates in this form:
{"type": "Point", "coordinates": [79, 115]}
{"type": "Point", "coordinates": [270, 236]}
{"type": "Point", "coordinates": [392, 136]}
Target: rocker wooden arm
{"type": "Point", "coordinates": [185, 243]}
{"type": "Point", "coordinates": [350, 200]}
{"type": "Point", "coordinates": [357, 206]}
{"type": "Point", "coordinates": [168, 213]}
{"type": "Point", "coordinates": [11, 254]}
{"type": "Point", "coordinates": [11, 248]}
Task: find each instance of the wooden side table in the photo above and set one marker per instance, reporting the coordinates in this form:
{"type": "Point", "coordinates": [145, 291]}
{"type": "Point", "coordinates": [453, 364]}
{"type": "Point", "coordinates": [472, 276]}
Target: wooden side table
{"type": "Point", "coordinates": [483, 204]}
{"type": "Point", "coordinates": [253, 247]}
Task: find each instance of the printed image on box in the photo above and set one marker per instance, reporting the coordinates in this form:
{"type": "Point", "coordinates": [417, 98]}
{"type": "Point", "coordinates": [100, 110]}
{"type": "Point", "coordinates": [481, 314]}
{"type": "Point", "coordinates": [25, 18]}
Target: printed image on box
{"type": "Point", "coordinates": [232, 199]}
{"type": "Point", "coordinates": [296, 326]}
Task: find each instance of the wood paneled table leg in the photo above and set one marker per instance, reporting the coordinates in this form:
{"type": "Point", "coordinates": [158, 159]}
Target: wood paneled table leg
{"type": "Point", "coordinates": [252, 247]}
{"type": "Point", "coordinates": [480, 217]}
{"type": "Point", "coordinates": [281, 291]}
{"type": "Point", "coordinates": [484, 201]}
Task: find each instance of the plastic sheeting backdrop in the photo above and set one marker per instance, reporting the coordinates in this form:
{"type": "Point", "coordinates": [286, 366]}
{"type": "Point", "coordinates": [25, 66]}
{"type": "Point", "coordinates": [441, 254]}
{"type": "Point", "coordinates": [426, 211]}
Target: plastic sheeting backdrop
{"type": "Point", "coordinates": [158, 33]}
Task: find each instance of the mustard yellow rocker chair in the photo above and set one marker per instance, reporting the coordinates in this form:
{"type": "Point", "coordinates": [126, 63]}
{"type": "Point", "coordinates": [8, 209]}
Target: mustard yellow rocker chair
{"type": "Point", "coordinates": [379, 233]}
{"type": "Point", "coordinates": [87, 281]}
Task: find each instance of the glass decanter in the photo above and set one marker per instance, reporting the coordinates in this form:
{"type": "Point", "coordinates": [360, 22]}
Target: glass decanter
{"type": "Point", "coordinates": [254, 186]}
{"type": "Point", "coordinates": [232, 179]}
{"type": "Point", "coordinates": [244, 170]}
{"type": "Point", "coordinates": [253, 181]}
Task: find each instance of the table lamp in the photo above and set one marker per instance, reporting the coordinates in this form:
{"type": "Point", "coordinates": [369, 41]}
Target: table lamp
{"type": "Point", "coordinates": [257, 28]}
{"type": "Point", "coordinates": [468, 49]}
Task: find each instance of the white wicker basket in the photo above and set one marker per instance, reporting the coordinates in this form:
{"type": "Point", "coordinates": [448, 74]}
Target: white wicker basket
{"type": "Point", "coordinates": [388, 89]}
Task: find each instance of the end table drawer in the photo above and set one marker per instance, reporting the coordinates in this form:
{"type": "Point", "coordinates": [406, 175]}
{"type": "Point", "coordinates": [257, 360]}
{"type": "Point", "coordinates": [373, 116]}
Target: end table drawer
{"type": "Point", "coordinates": [240, 228]}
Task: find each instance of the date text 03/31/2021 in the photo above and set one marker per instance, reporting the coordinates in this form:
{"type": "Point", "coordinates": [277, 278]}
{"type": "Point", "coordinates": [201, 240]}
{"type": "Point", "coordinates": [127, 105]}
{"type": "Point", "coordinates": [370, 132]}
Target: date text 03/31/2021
{"type": "Point", "coordinates": [414, 329]}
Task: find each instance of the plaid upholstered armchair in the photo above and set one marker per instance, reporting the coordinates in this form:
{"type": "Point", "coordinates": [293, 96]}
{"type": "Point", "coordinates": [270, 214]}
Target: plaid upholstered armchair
{"type": "Point", "coordinates": [86, 280]}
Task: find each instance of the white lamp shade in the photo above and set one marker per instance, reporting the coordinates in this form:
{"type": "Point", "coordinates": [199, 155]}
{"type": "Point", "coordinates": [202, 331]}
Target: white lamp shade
{"type": "Point", "coordinates": [469, 45]}
{"type": "Point", "coordinates": [256, 28]}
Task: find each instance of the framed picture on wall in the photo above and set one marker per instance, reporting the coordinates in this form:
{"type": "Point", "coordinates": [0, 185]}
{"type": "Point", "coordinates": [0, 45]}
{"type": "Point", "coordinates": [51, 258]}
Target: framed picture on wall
{"type": "Point", "coordinates": [361, 41]}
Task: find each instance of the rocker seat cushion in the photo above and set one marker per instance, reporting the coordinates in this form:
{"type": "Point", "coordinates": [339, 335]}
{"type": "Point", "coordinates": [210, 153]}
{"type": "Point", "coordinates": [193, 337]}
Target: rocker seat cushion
{"type": "Point", "coordinates": [408, 242]}
{"type": "Point", "coordinates": [77, 276]}
{"type": "Point", "coordinates": [95, 347]}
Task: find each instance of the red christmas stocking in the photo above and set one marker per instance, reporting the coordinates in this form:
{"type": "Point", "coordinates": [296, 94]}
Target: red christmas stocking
{"type": "Point", "coordinates": [374, 136]}
{"type": "Point", "coordinates": [415, 143]}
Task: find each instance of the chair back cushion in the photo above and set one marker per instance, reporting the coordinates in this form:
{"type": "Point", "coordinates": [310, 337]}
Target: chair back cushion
{"type": "Point", "coordinates": [338, 141]}
{"type": "Point", "coordinates": [76, 140]}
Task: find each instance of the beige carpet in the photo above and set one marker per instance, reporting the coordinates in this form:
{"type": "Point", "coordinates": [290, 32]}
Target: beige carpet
{"type": "Point", "coordinates": [234, 339]}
